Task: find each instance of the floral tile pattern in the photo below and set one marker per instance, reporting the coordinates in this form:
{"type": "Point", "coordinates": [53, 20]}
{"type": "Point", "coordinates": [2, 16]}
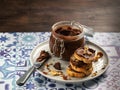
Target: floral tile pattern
{"type": "Point", "coordinates": [15, 49]}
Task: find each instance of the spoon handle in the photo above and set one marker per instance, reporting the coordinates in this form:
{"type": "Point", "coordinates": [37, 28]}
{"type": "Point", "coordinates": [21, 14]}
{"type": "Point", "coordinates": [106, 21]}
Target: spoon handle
{"type": "Point", "coordinates": [22, 80]}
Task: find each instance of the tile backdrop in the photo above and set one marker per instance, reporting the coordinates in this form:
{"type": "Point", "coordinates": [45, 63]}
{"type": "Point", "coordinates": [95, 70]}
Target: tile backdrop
{"type": "Point", "coordinates": [15, 49]}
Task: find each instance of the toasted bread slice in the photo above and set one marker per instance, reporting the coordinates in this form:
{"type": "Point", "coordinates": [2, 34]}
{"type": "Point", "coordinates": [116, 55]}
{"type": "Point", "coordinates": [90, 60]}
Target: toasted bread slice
{"type": "Point", "coordinates": [83, 69]}
{"type": "Point", "coordinates": [72, 73]}
{"type": "Point", "coordinates": [87, 55]}
{"type": "Point", "coordinates": [76, 74]}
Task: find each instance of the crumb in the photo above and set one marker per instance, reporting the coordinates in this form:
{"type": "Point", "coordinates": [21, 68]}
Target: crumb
{"type": "Point", "coordinates": [104, 66]}
{"type": "Point", "coordinates": [99, 54]}
{"type": "Point", "coordinates": [57, 66]}
{"type": "Point", "coordinates": [45, 72]}
{"type": "Point", "coordinates": [48, 65]}
{"type": "Point", "coordinates": [65, 77]}
{"type": "Point", "coordinates": [94, 74]}
{"type": "Point", "coordinates": [55, 73]}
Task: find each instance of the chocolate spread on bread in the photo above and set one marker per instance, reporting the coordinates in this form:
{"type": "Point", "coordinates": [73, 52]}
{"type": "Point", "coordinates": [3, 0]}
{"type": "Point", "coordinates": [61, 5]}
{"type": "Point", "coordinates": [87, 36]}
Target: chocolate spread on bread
{"type": "Point", "coordinates": [88, 53]}
{"type": "Point", "coordinates": [81, 62]}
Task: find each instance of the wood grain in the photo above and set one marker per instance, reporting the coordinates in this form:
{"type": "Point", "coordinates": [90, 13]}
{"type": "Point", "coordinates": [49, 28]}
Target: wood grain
{"type": "Point", "coordinates": [40, 15]}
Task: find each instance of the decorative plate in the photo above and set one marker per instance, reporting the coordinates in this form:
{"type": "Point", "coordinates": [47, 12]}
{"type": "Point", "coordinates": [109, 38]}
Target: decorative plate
{"type": "Point", "coordinates": [99, 67]}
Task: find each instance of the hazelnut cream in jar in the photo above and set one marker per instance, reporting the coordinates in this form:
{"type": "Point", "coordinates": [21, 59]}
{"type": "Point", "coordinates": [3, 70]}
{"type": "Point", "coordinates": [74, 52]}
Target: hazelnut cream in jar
{"type": "Point", "coordinates": [66, 37]}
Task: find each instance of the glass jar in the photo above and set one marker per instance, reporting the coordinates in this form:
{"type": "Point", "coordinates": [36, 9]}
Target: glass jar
{"type": "Point", "coordinates": [66, 37]}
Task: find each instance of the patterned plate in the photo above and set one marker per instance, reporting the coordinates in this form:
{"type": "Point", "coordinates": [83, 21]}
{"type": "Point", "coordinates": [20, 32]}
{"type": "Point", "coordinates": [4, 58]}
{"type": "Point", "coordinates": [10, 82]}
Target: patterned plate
{"type": "Point", "coordinates": [99, 67]}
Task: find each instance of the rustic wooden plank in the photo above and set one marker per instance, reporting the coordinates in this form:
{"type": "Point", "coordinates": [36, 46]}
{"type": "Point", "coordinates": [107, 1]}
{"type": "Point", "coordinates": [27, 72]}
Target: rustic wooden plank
{"type": "Point", "coordinates": [40, 15]}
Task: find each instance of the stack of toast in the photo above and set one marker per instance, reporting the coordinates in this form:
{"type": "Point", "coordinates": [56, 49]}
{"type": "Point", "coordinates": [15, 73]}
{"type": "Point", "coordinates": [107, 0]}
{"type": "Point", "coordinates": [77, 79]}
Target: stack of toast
{"type": "Point", "coordinates": [80, 64]}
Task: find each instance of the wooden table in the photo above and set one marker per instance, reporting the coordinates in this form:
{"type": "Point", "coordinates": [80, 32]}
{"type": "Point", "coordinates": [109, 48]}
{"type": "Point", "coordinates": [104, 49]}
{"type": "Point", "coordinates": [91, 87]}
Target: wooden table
{"type": "Point", "coordinates": [40, 15]}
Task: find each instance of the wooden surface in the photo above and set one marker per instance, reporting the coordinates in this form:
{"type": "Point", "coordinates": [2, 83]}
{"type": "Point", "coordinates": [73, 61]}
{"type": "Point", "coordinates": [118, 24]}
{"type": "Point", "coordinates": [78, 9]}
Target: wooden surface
{"type": "Point", "coordinates": [40, 15]}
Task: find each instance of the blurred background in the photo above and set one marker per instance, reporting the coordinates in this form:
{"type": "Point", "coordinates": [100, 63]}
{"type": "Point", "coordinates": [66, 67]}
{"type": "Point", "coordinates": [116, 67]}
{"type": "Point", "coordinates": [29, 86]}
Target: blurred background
{"type": "Point", "coordinates": [40, 15]}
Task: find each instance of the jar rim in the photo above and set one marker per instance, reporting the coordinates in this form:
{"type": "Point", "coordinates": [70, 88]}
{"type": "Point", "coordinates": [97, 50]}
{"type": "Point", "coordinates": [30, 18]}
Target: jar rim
{"type": "Point", "coordinates": [68, 23]}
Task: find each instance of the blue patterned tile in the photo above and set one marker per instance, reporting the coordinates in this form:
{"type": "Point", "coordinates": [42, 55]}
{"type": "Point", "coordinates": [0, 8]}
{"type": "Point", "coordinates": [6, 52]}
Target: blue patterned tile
{"type": "Point", "coordinates": [15, 49]}
{"type": "Point", "coordinates": [8, 39]}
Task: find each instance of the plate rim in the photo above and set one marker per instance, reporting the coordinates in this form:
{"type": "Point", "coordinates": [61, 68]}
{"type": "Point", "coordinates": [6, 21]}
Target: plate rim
{"type": "Point", "coordinates": [71, 81]}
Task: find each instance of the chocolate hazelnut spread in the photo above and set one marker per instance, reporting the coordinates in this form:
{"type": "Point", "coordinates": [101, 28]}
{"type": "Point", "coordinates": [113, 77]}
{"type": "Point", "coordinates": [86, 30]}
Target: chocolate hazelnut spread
{"type": "Point", "coordinates": [43, 55]}
{"type": "Point", "coordinates": [77, 63]}
{"type": "Point", "coordinates": [57, 65]}
{"type": "Point", "coordinates": [80, 64]}
{"type": "Point", "coordinates": [65, 39]}
{"type": "Point", "coordinates": [89, 53]}
{"type": "Point", "coordinates": [67, 31]}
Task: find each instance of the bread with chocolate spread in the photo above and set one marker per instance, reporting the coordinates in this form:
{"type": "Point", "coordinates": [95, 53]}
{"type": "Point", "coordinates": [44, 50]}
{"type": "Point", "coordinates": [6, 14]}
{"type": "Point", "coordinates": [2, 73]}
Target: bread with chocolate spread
{"type": "Point", "coordinates": [80, 64]}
